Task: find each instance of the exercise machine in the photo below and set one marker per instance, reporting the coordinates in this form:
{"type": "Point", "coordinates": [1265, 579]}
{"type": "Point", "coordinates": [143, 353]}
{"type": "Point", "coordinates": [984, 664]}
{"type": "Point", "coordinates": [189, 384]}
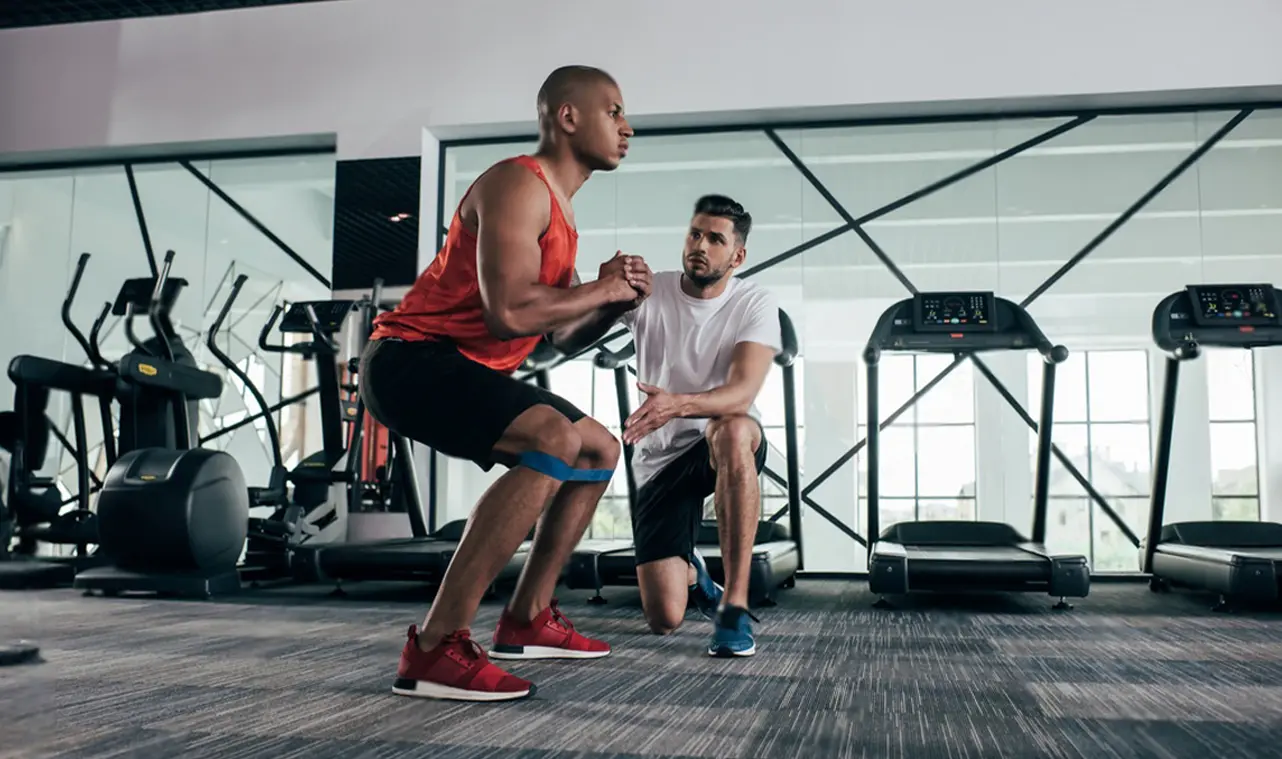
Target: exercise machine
{"type": "Point", "coordinates": [1236, 559]}
{"type": "Point", "coordinates": [776, 549]}
{"type": "Point", "coordinates": [311, 501]}
{"type": "Point", "coordinates": [171, 520]}
{"type": "Point", "coordinates": [963, 555]}
{"type": "Point", "coordinates": [35, 507]}
{"type": "Point", "coordinates": [424, 555]}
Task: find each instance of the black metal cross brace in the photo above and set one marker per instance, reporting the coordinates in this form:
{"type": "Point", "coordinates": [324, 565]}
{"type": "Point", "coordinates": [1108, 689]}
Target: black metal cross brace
{"type": "Point", "coordinates": [1086, 250]}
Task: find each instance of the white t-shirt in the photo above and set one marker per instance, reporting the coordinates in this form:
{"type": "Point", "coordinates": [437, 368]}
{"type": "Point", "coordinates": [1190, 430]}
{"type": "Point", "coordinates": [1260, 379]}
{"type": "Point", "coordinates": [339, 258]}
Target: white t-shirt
{"type": "Point", "coordinates": [684, 345]}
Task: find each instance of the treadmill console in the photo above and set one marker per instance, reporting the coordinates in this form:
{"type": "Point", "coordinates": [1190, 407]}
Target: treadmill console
{"type": "Point", "coordinates": [1229, 316]}
{"type": "Point", "coordinates": [956, 322]}
{"type": "Point", "coordinates": [1234, 305]}
{"type": "Point", "coordinates": [329, 313]}
{"type": "Point", "coordinates": [955, 312]}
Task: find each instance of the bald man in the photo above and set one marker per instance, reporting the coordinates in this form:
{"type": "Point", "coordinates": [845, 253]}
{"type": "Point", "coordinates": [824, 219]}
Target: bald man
{"type": "Point", "coordinates": [438, 370]}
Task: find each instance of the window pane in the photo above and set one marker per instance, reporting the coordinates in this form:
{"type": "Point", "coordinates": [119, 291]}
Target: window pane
{"type": "Point", "coordinates": [1071, 439]}
{"type": "Point", "coordinates": [771, 505]}
{"type": "Point", "coordinates": [1118, 385]}
{"type": "Point", "coordinates": [1068, 526]}
{"type": "Point", "coordinates": [769, 401]}
{"type": "Point", "coordinates": [612, 521]}
{"type": "Point", "coordinates": [898, 464]}
{"type": "Point", "coordinates": [940, 509]}
{"type": "Point", "coordinates": [1070, 388]}
{"type": "Point", "coordinates": [895, 510]}
{"type": "Point", "coordinates": [1242, 509]}
{"type": "Point", "coordinates": [953, 399]}
{"type": "Point", "coordinates": [1234, 467]}
{"type": "Point", "coordinates": [1120, 462]}
{"type": "Point", "coordinates": [946, 461]}
{"type": "Point", "coordinates": [605, 404]}
{"type": "Point", "coordinates": [895, 382]}
{"type": "Point", "coordinates": [573, 382]}
{"type": "Point", "coordinates": [1113, 551]}
{"type": "Point", "coordinates": [1230, 382]}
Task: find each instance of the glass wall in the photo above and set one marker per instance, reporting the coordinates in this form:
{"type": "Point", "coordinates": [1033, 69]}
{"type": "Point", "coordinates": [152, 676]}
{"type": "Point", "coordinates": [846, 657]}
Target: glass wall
{"type": "Point", "coordinates": [54, 217]}
{"type": "Point", "coordinates": [1044, 211]}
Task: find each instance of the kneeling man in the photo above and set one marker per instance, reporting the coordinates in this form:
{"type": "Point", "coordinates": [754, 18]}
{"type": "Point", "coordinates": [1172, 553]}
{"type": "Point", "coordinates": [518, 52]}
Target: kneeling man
{"type": "Point", "coordinates": [704, 340]}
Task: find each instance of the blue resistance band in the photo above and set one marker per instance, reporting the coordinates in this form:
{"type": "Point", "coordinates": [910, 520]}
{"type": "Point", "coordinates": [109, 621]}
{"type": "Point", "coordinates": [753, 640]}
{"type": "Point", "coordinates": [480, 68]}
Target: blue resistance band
{"type": "Point", "coordinates": [557, 469]}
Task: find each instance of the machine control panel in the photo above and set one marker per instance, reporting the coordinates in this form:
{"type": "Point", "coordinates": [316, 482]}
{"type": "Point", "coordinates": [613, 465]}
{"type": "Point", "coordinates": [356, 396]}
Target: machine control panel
{"type": "Point", "coordinates": [955, 312]}
{"type": "Point", "coordinates": [1233, 306]}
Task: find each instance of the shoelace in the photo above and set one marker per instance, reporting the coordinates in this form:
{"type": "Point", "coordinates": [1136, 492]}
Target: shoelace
{"type": "Point", "coordinates": [471, 646]}
{"type": "Point", "coordinates": [561, 619]}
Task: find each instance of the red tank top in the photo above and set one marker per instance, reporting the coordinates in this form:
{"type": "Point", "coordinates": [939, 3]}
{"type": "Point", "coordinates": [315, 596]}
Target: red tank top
{"type": "Point", "coordinates": [445, 300]}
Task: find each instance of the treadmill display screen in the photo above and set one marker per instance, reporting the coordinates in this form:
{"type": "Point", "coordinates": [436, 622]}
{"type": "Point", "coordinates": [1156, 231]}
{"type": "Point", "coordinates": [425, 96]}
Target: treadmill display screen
{"type": "Point", "coordinates": [955, 312]}
{"type": "Point", "coordinates": [1234, 305]}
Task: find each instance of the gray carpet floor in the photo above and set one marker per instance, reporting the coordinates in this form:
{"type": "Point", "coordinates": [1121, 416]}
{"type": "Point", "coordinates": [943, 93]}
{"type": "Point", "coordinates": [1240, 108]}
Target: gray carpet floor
{"type": "Point", "coordinates": [293, 673]}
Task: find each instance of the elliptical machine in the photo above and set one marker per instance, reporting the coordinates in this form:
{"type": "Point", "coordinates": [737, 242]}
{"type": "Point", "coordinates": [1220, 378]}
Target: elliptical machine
{"type": "Point", "coordinates": [172, 521]}
{"type": "Point", "coordinates": [314, 510]}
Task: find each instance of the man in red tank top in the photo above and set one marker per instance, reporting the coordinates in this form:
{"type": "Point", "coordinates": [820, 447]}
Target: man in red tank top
{"type": "Point", "coordinates": [438, 370]}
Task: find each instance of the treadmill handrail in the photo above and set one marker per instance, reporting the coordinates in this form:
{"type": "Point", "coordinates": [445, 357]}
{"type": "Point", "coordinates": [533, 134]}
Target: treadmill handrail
{"type": "Point", "coordinates": [787, 340]}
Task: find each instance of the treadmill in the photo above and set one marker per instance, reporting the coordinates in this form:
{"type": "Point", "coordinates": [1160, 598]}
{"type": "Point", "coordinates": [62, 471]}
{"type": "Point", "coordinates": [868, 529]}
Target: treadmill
{"type": "Point", "coordinates": [776, 550]}
{"type": "Point", "coordinates": [962, 556]}
{"type": "Point", "coordinates": [1236, 559]}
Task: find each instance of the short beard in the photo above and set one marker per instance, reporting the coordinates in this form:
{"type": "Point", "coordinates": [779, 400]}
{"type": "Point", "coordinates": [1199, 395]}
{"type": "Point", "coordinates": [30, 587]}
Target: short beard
{"type": "Point", "coordinates": [704, 281]}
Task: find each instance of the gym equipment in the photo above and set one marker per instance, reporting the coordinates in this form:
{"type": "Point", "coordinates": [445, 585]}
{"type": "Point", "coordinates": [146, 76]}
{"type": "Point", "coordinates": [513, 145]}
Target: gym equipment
{"type": "Point", "coordinates": [546, 463]}
{"type": "Point", "coordinates": [172, 521]}
{"type": "Point", "coordinates": [776, 550]}
{"type": "Point", "coordinates": [961, 555]}
{"type": "Point", "coordinates": [20, 652]}
{"type": "Point", "coordinates": [316, 511]}
{"type": "Point", "coordinates": [424, 556]}
{"type": "Point", "coordinates": [1237, 559]}
{"type": "Point", "coordinates": [35, 504]}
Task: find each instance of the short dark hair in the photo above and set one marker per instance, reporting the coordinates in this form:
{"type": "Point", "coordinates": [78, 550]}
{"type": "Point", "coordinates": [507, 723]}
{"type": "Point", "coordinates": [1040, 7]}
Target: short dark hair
{"type": "Point", "coordinates": [726, 207]}
{"type": "Point", "coordinates": [563, 84]}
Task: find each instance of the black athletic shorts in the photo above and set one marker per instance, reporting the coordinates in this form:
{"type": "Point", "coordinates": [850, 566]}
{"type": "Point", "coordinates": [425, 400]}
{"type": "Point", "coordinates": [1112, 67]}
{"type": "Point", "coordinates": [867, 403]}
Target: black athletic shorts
{"type": "Point", "coordinates": [670, 504]}
{"type": "Point", "coordinates": [431, 393]}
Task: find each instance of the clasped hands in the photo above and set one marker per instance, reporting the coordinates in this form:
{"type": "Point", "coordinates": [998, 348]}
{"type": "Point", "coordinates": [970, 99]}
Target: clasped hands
{"type": "Point", "coordinates": [629, 279]}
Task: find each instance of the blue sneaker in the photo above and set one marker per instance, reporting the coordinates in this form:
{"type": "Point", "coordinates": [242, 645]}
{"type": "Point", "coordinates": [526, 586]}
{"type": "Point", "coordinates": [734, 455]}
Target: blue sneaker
{"type": "Point", "coordinates": [705, 594]}
{"type": "Point", "coordinates": [732, 634]}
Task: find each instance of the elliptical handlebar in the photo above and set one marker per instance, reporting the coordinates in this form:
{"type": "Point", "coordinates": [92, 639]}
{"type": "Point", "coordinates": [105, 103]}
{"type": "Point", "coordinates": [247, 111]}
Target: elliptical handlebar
{"type": "Point", "coordinates": [317, 330]}
{"type": "Point", "coordinates": [94, 343]}
{"type": "Point", "coordinates": [210, 340]}
{"type": "Point", "coordinates": [267, 329]}
{"type": "Point", "coordinates": [153, 307]}
{"type": "Point", "coordinates": [85, 345]}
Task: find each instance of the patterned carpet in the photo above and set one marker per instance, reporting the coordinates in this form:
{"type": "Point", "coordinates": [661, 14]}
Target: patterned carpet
{"type": "Point", "coordinates": [292, 673]}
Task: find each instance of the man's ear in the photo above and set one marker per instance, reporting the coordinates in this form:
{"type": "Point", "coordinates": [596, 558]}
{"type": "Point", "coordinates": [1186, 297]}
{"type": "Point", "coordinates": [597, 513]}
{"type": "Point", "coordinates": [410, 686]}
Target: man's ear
{"type": "Point", "coordinates": [740, 255]}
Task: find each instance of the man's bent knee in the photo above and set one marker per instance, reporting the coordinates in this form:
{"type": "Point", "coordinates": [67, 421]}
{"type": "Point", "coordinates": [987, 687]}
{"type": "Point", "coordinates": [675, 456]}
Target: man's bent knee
{"type": "Point", "coordinates": [545, 430]}
{"type": "Point", "coordinates": [600, 449]}
{"type": "Point", "coordinates": [663, 621]}
{"type": "Point", "coordinates": [732, 436]}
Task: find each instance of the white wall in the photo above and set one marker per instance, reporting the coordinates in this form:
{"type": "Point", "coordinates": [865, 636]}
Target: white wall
{"type": "Point", "coordinates": [376, 71]}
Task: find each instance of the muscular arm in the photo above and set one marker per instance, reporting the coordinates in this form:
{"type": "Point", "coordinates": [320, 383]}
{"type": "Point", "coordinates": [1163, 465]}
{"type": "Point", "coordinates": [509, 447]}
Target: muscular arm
{"type": "Point", "coordinates": [513, 209]}
{"type": "Point", "coordinates": [586, 329]}
{"type": "Point", "coordinates": [749, 364]}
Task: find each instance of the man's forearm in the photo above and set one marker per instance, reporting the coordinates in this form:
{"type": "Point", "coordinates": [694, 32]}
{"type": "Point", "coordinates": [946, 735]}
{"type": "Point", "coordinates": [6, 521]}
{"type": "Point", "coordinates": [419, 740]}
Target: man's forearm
{"type": "Point", "coordinates": [586, 330]}
{"type": "Point", "coordinates": [727, 400]}
{"type": "Point", "coordinates": [546, 309]}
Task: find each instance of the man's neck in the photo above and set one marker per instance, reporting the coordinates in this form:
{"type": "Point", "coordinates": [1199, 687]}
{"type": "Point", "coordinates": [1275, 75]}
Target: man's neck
{"type": "Point", "coordinates": [565, 171]}
{"type": "Point", "coordinates": [706, 293]}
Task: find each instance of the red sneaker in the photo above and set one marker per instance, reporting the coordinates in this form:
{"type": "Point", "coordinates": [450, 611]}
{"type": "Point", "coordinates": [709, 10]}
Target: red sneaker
{"type": "Point", "coordinates": [549, 636]}
{"type": "Point", "coordinates": [457, 669]}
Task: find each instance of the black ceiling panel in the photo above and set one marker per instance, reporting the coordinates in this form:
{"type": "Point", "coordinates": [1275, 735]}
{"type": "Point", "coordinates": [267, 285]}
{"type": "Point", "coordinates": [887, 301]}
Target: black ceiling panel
{"type": "Point", "coordinates": [376, 222]}
{"type": "Point", "coordinates": [18, 13]}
